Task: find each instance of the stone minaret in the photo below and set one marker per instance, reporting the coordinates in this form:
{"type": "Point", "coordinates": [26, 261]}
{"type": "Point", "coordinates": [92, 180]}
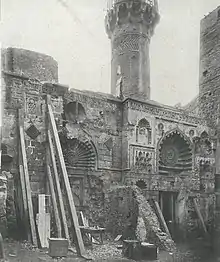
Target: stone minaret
{"type": "Point", "coordinates": [130, 25]}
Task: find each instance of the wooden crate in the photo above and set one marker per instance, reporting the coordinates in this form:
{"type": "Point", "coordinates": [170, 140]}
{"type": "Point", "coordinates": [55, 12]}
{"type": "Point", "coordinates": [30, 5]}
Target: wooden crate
{"type": "Point", "coordinates": [58, 247]}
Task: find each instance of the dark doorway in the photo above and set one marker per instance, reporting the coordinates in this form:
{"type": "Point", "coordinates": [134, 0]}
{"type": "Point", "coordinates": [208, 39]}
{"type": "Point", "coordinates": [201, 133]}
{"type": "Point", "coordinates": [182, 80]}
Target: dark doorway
{"type": "Point", "coordinates": [167, 202]}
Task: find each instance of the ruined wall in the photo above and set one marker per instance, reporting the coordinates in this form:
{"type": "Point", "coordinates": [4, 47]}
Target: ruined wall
{"type": "Point", "coordinates": [144, 156]}
{"type": "Point", "coordinates": [210, 93]}
{"type": "Point", "coordinates": [98, 130]}
{"type": "Point", "coordinates": [101, 125]}
{"type": "Point", "coordinates": [130, 215]}
{"type": "Point", "coordinates": [30, 64]}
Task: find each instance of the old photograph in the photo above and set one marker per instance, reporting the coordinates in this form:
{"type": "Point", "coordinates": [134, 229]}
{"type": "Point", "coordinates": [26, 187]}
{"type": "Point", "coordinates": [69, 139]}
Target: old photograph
{"type": "Point", "coordinates": [110, 130]}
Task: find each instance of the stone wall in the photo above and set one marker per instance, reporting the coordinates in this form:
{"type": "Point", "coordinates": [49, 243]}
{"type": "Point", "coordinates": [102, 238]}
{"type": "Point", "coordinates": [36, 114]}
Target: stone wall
{"type": "Point", "coordinates": [30, 64]}
{"type": "Point", "coordinates": [209, 67]}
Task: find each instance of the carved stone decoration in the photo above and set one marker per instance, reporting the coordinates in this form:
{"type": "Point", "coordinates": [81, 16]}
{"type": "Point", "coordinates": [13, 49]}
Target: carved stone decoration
{"type": "Point", "coordinates": [109, 143]}
{"type": "Point", "coordinates": [143, 161]}
{"type": "Point", "coordinates": [165, 113]}
{"type": "Point", "coordinates": [169, 155]}
{"type": "Point", "coordinates": [191, 133]}
{"type": "Point", "coordinates": [204, 153]}
{"type": "Point", "coordinates": [31, 105]}
{"type": "Point", "coordinates": [203, 146]}
{"type": "Point", "coordinates": [174, 153]}
{"type": "Point", "coordinates": [32, 131]}
{"type": "Point", "coordinates": [78, 154]}
{"type": "Point", "coordinates": [57, 105]}
{"type": "Point", "coordinates": [161, 129]}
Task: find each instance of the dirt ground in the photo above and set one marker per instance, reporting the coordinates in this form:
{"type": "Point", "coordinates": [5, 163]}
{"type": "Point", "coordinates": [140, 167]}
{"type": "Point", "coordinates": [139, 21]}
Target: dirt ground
{"type": "Point", "coordinates": [23, 252]}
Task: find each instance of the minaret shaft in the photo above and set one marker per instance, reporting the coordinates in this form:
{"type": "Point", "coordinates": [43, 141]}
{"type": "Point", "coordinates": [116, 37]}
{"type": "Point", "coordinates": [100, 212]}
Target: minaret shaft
{"type": "Point", "coordinates": [130, 25]}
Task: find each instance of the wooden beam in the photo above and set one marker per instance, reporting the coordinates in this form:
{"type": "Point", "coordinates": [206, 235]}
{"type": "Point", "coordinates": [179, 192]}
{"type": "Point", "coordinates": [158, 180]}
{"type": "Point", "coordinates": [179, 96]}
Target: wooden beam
{"type": "Point", "coordinates": [27, 181]}
{"type": "Point", "coordinates": [73, 215]}
{"type": "Point", "coordinates": [54, 202]}
{"type": "Point", "coordinates": [161, 218]}
{"type": "Point", "coordinates": [24, 200]}
{"type": "Point", "coordinates": [200, 216]}
{"type": "Point", "coordinates": [57, 184]}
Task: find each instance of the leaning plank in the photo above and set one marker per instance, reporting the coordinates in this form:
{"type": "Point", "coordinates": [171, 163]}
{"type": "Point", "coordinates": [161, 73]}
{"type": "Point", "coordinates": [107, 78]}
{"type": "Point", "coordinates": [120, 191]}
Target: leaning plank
{"type": "Point", "coordinates": [200, 216]}
{"type": "Point", "coordinates": [161, 218]}
{"type": "Point", "coordinates": [73, 215]}
{"type": "Point", "coordinates": [27, 182]}
{"type": "Point", "coordinates": [54, 202]}
{"type": "Point", "coordinates": [58, 188]}
{"type": "Point", "coordinates": [24, 199]}
{"type": "Point", "coordinates": [43, 221]}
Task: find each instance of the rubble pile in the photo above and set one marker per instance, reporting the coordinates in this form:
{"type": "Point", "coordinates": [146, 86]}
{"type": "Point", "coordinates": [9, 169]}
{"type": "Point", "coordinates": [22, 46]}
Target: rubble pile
{"type": "Point", "coordinates": [131, 215]}
{"type": "Point", "coordinates": [153, 232]}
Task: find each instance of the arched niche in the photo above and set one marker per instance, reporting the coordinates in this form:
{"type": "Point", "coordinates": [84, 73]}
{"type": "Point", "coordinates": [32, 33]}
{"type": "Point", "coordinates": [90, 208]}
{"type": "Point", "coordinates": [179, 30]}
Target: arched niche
{"type": "Point", "coordinates": [174, 153]}
{"type": "Point", "coordinates": [141, 184]}
{"type": "Point", "coordinates": [78, 154]}
{"type": "Point", "coordinates": [143, 132]}
{"type": "Point", "coordinates": [74, 112]}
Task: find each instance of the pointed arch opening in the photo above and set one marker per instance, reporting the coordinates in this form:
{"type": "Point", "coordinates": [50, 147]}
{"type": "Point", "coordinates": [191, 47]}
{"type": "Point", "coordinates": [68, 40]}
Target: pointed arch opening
{"type": "Point", "coordinates": [143, 132]}
{"type": "Point", "coordinates": [175, 154]}
{"type": "Point", "coordinates": [78, 154]}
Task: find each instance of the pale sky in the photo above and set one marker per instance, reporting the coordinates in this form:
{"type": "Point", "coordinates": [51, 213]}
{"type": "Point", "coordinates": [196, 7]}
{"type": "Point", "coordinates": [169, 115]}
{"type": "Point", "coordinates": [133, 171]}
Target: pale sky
{"type": "Point", "coordinates": [80, 45]}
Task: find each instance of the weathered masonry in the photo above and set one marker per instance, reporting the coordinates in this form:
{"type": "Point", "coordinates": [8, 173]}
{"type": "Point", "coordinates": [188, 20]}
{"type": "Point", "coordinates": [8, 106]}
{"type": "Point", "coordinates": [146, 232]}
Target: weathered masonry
{"type": "Point", "coordinates": [170, 153]}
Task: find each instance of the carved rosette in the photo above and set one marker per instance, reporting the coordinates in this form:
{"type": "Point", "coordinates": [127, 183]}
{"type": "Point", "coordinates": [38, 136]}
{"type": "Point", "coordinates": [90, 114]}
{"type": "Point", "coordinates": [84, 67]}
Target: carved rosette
{"type": "Point", "coordinates": [175, 153]}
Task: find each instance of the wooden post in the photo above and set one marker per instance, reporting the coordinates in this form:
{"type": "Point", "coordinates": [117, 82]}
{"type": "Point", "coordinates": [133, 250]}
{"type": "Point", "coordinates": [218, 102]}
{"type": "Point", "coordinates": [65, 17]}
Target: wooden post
{"type": "Point", "coordinates": [161, 218]}
{"type": "Point", "coordinates": [74, 219]}
{"type": "Point", "coordinates": [2, 252]}
{"type": "Point", "coordinates": [43, 221]}
{"type": "Point", "coordinates": [24, 199]}
{"type": "Point", "coordinates": [58, 188]}
{"type": "Point", "coordinates": [200, 216]}
{"type": "Point", "coordinates": [54, 201]}
{"type": "Point", "coordinates": [27, 182]}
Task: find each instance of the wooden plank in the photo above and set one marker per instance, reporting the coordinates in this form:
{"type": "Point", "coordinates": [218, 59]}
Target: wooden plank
{"type": "Point", "coordinates": [27, 182]}
{"type": "Point", "coordinates": [161, 218]}
{"type": "Point", "coordinates": [43, 221]}
{"type": "Point", "coordinates": [58, 188]}
{"type": "Point", "coordinates": [54, 202]}
{"type": "Point", "coordinates": [73, 215]}
{"type": "Point", "coordinates": [24, 200]}
{"type": "Point", "coordinates": [85, 223]}
{"type": "Point", "coordinates": [41, 203]}
{"type": "Point", "coordinates": [200, 215]}
{"type": "Point", "coordinates": [43, 225]}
